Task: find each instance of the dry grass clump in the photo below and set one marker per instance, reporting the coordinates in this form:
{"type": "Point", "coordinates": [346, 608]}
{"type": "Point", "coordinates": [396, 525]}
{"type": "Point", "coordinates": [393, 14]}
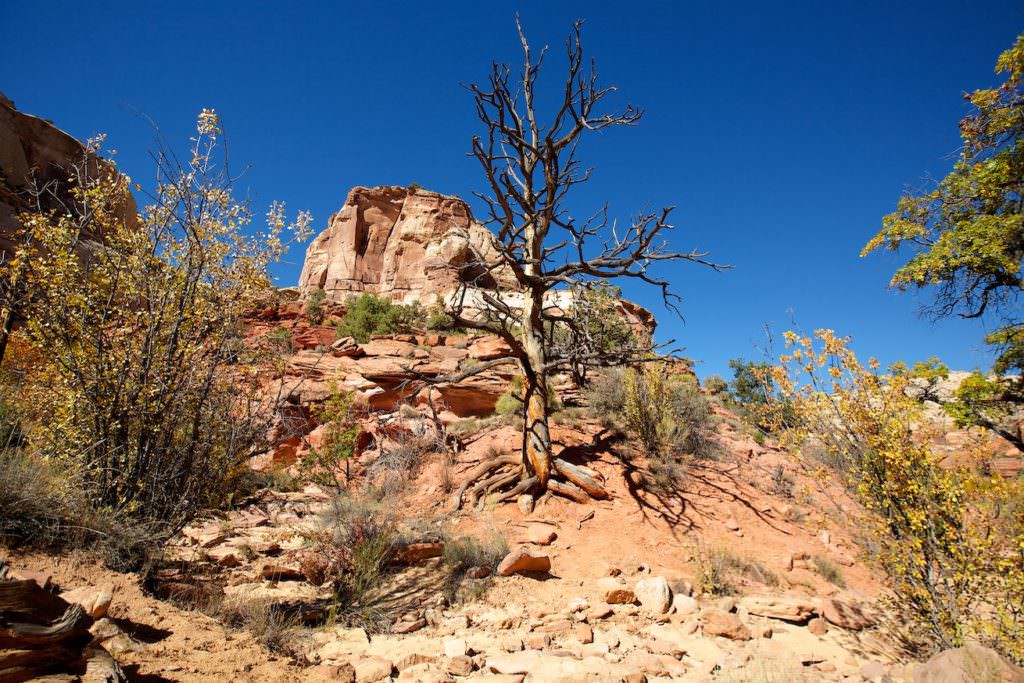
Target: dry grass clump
{"type": "Point", "coordinates": [720, 571]}
{"type": "Point", "coordinates": [268, 622]}
{"type": "Point", "coordinates": [829, 570]}
{"type": "Point", "coordinates": [464, 553]}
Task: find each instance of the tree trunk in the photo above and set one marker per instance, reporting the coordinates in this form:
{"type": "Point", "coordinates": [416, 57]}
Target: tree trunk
{"type": "Point", "coordinates": [536, 436]}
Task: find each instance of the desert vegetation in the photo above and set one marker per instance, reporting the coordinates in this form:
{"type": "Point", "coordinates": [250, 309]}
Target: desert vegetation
{"type": "Point", "coordinates": [457, 450]}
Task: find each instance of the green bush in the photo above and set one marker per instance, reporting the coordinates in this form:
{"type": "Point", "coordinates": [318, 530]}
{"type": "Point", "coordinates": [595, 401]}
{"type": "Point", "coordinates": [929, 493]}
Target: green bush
{"type": "Point", "coordinates": [369, 315]}
{"type": "Point", "coordinates": [315, 306]}
{"type": "Point", "coordinates": [715, 385]}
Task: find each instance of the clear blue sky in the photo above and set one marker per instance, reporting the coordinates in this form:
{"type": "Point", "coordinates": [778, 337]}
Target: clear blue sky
{"type": "Point", "coordinates": [783, 131]}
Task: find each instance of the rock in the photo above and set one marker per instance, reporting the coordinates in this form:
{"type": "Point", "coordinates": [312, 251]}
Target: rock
{"type": "Point", "coordinates": [455, 647]}
{"type": "Point", "coordinates": [518, 663]}
{"type": "Point", "coordinates": [478, 572]}
{"type": "Point", "coordinates": [873, 671]}
{"type": "Point", "coordinates": [683, 604]}
{"type": "Point", "coordinates": [405, 244]}
{"type": "Point", "coordinates": [795, 610]}
{"type": "Point", "coordinates": [537, 641]}
{"type": "Point", "coordinates": [346, 346]}
{"type": "Point", "coordinates": [95, 601]}
{"type": "Point", "coordinates": [522, 561]}
{"type": "Point", "coordinates": [370, 669]}
{"type": "Point", "coordinates": [525, 503]}
{"type": "Point", "coordinates": [489, 348]}
{"type": "Point", "coordinates": [654, 594]}
{"type": "Point", "coordinates": [817, 626]}
{"type": "Point", "coordinates": [460, 665]}
{"type": "Point", "coordinates": [403, 627]}
{"type": "Point", "coordinates": [845, 615]}
{"type": "Point", "coordinates": [967, 664]}
{"type": "Point", "coordinates": [415, 553]}
{"type": "Point", "coordinates": [619, 596]}
{"type": "Point", "coordinates": [346, 642]}
{"type": "Point", "coordinates": [584, 633]}
{"type": "Point", "coordinates": [541, 534]}
{"type": "Point", "coordinates": [330, 673]}
{"type": "Point", "coordinates": [732, 525]}
{"type": "Point", "coordinates": [724, 625]}
{"type": "Point", "coordinates": [276, 572]}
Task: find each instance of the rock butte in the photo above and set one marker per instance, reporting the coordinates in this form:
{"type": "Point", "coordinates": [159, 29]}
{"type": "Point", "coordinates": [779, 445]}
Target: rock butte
{"type": "Point", "coordinates": [412, 245]}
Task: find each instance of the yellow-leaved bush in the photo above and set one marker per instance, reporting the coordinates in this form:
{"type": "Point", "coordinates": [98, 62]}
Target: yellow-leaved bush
{"type": "Point", "coordinates": [153, 396]}
{"type": "Point", "coordinates": [950, 536]}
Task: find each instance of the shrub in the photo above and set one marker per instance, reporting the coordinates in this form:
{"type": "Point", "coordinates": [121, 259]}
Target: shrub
{"type": "Point", "coordinates": [356, 540]}
{"type": "Point", "coordinates": [38, 502]}
{"type": "Point", "coordinates": [268, 622]}
{"type": "Point", "coordinates": [280, 339]}
{"type": "Point", "coordinates": [715, 385]}
{"type": "Point", "coordinates": [401, 456]}
{"type": "Point", "coordinates": [718, 570]}
{"type": "Point", "coordinates": [607, 394]}
{"type": "Point", "coordinates": [341, 436]}
{"type": "Point", "coordinates": [369, 315]}
{"type": "Point", "coordinates": [668, 415]}
{"type": "Point", "coordinates": [466, 552]}
{"type": "Point", "coordinates": [150, 400]}
{"type": "Point", "coordinates": [949, 536]}
{"type": "Point", "coordinates": [315, 306]}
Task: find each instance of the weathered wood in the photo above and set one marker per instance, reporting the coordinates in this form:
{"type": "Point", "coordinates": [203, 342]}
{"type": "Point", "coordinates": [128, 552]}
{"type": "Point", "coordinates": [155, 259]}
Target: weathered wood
{"type": "Point", "coordinates": [583, 477]}
{"type": "Point", "coordinates": [568, 490]}
{"type": "Point", "coordinates": [73, 626]}
{"type": "Point", "coordinates": [26, 601]}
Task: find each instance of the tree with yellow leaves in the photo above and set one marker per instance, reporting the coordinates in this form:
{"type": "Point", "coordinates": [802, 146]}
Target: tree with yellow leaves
{"type": "Point", "coordinates": [153, 398]}
{"type": "Point", "coordinates": [950, 537]}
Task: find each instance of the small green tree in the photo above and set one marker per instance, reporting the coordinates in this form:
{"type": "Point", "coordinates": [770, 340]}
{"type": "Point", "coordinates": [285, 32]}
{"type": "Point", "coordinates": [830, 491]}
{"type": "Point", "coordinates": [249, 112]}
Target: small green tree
{"type": "Point", "coordinates": [315, 306]}
{"type": "Point", "coordinates": [341, 438]}
{"type": "Point", "coordinates": [966, 236]}
{"type": "Point", "coordinates": [369, 314]}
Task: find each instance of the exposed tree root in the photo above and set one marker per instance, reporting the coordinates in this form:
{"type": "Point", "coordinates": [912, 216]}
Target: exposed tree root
{"type": "Point", "coordinates": [575, 482]}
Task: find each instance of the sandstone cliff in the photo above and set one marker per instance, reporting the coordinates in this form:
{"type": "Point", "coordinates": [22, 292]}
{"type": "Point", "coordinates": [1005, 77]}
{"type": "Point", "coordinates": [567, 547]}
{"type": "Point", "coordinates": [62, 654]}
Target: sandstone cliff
{"type": "Point", "coordinates": [413, 245]}
{"type": "Point", "coordinates": [403, 243]}
{"type": "Point", "coordinates": [34, 149]}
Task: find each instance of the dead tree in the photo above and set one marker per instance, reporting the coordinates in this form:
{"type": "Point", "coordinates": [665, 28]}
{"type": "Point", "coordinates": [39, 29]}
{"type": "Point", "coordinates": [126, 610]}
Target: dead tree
{"type": "Point", "coordinates": [530, 169]}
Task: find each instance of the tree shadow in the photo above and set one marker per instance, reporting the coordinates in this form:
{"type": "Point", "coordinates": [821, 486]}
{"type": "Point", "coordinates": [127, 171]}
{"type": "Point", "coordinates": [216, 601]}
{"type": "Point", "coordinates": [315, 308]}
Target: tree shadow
{"type": "Point", "coordinates": [133, 675]}
{"type": "Point", "coordinates": [143, 633]}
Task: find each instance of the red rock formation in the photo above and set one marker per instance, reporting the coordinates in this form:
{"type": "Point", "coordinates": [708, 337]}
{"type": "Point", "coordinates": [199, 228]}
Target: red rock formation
{"type": "Point", "coordinates": [403, 243]}
{"type": "Point", "coordinates": [31, 147]}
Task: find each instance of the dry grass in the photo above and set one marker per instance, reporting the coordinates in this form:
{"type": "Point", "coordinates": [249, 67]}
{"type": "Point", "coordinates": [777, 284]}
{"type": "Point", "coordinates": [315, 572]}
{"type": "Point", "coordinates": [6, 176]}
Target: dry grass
{"type": "Point", "coordinates": [720, 571]}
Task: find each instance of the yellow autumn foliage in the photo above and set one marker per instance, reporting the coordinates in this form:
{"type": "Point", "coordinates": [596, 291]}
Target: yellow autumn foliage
{"type": "Point", "coordinates": [950, 536]}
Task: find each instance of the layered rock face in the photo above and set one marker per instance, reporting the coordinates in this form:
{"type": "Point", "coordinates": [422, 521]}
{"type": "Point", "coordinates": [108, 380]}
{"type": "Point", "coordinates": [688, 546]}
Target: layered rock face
{"type": "Point", "coordinates": [406, 244]}
{"type": "Point", "coordinates": [412, 245]}
{"type": "Point", "coordinates": [34, 151]}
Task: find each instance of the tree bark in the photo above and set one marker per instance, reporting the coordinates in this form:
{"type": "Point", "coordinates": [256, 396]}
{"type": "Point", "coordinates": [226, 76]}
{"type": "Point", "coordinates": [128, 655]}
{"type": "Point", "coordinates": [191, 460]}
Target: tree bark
{"type": "Point", "coordinates": [536, 435]}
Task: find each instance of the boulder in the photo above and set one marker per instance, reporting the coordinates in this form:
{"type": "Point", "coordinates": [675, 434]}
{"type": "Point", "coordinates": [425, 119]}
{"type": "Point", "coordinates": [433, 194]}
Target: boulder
{"type": "Point", "coordinates": [654, 594]}
{"type": "Point", "coordinates": [724, 625]}
{"type": "Point", "coordinates": [795, 610]}
{"type": "Point", "coordinates": [95, 601]}
{"type": "Point", "coordinates": [522, 561]}
{"type": "Point", "coordinates": [845, 615]}
{"type": "Point", "coordinates": [370, 669]}
{"type": "Point", "coordinates": [967, 664]}
{"type": "Point", "coordinates": [406, 244]}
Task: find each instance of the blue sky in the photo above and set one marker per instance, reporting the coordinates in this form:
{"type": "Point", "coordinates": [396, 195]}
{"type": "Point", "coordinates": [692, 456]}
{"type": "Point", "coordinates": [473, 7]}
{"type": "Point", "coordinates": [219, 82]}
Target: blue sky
{"type": "Point", "coordinates": [783, 131]}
